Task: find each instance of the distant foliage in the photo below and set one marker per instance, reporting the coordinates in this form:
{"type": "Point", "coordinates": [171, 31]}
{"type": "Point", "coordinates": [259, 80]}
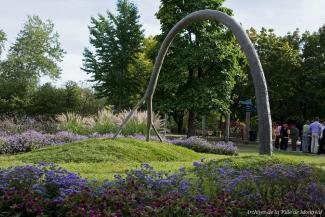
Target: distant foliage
{"type": "Point", "coordinates": [36, 52]}
{"type": "Point", "coordinates": [3, 38]}
{"type": "Point", "coordinates": [48, 100]}
{"type": "Point", "coordinates": [294, 70]}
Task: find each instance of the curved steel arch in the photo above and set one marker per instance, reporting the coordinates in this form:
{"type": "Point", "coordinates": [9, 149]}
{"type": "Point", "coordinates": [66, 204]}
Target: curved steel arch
{"type": "Point", "coordinates": [262, 99]}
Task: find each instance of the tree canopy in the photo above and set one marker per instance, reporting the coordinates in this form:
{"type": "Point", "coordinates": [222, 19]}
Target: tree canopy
{"type": "Point", "coordinates": [2, 40]}
{"type": "Point", "coordinates": [36, 52]}
{"type": "Point", "coordinates": [294, 68]}
{"type": "Point", "coordinates": [117, 41]}
{"type": "Point", "coordinates": [201, 66]}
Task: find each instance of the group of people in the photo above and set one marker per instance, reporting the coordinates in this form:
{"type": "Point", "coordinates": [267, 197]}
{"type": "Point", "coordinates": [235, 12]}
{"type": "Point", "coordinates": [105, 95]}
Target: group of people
{"type": "Point", "coordinates": [312, 137]}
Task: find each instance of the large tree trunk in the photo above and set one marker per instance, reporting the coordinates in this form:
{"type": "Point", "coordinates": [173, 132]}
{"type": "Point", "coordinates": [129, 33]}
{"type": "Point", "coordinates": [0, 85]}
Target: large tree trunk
{"type": "Point", "coordinates": [190, 126]}
{"type": "Point", "coordinates": [179, 119]}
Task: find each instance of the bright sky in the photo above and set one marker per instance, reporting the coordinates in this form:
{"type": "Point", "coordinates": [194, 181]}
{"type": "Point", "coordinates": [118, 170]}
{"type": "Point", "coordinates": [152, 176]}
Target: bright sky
{"type": "Point", "coordinates": [71, 18]}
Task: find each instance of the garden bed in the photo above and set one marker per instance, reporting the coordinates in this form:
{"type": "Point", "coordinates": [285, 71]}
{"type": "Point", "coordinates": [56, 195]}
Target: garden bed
{"type": "Point", "coordinates": [215, 188]}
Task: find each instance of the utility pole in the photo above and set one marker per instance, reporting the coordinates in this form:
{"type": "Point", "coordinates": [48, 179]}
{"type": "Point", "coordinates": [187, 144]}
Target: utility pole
{"type": "Point", "coordinates": [203, 125]}
{"type": "Point", "coordinates": [227, 129]}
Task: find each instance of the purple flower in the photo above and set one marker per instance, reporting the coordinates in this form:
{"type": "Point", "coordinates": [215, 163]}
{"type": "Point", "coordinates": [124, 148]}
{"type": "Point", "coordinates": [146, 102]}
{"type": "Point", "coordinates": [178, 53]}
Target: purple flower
{"type": "Point", "coordinates": [197, 164]}
{"type": "Point", "coordinates": [201, 198]}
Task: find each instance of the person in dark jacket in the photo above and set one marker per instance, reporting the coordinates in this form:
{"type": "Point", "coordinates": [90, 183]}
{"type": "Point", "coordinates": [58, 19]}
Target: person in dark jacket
{"type": "Point", "coordinates": [294, 135]}
{"type": "Point", "coordinates": [284, 137]}
{"type": "Point", "coordinates": [321, 149]}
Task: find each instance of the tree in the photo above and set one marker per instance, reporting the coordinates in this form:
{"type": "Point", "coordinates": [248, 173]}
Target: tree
{"type": "Point", "coordinates": [281, 64]}
{"type": "Point", "coordinates": [200, 68]}
{"type": "Point", "coordinates": [2, 40]}
{"type": "Point", "coordinates": [117, 41]}
{"type": "Point", "coordinates": [35, 52]}
{"type": "Point", "coordinates": [294, 69]}
{"type": "Point", "coordinates": [311, 82]}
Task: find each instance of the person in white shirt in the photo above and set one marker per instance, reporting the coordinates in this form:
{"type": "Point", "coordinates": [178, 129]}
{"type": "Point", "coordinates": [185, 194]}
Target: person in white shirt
{"type": "Point", "coordinates": [315, 130]}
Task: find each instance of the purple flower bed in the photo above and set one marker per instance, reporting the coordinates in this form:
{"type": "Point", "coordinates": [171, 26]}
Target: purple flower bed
{"type": "Point", "coordinates": [15, 124]}
{"type": "Point", "coordinates": [208, 190]}
{"type": "Point", "coordinates": [203, 146]}
{"type": "Point", "coordinates": [32, 139]}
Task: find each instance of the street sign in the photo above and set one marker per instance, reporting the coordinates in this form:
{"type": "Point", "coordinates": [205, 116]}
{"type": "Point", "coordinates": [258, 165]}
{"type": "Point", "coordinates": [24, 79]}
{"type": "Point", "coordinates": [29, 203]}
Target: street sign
{"type": "Point", "coordinates": [248, 105]}
{"type": "Point", "coordinates": [246, 102]}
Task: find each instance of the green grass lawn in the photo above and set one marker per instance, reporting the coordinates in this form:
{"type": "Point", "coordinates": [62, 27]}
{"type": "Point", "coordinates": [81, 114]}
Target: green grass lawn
{"type": "Point", "coordinates": [102, 158]}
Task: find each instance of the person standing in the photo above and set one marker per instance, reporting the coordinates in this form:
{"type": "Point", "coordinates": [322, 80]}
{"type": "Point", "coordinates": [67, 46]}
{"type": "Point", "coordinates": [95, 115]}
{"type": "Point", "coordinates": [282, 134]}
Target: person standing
{"type": "Point", "coordinates": [294, 135]}
{"type": "Point", "coordinates": [284, 137]}
{"type": "Point", "coordinates": [322, 142]}
{"type": "Point", "coordinates": [305, 138]}
{"type": "Point", "coordinates": [315, 130]}
{"type": "Point", "coordinates": [277, 135]}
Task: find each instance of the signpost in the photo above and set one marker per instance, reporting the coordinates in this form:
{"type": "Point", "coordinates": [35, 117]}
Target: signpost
{"type": "Point", "coordinates": [248, 108]}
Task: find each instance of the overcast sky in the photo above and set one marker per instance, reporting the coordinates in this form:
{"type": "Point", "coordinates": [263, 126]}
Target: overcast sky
{"type": "Point", "coordinates": [71, 18]}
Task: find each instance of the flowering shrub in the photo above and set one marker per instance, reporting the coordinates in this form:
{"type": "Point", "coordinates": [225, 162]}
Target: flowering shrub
{"type": "Point", "coordinates": [32, 139]}
{"type": "Point", "coordinates": [203, 146]}
{"type": "Point", "coordinates": [269, 186]}
{"type": "Point", "coordinates": [20, 124]}
{"type": "Point", "coordinates": [209, 190]}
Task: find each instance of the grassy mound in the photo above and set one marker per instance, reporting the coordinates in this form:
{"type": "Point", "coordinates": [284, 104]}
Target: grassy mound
{"type": "Point", "coordinates": [108, 150]}
{"type": "Point", "coordinates": [103, 158]}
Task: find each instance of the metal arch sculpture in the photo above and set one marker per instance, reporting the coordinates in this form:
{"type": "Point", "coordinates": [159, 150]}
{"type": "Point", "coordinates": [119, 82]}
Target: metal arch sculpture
{"type": "Point", "coordinates": [262, 99]}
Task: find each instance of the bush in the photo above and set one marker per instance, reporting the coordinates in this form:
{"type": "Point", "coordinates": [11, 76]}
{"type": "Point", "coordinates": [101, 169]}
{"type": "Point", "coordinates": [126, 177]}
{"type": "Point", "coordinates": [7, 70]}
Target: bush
{"type": "Point", "coordinates": [74, 123]}
{"type": "Point", "coordinates": [208, 190]}
{"type": "Point", "coordinates": [104, 122]}
{"type": "Point", "coordinates": [203, 146]}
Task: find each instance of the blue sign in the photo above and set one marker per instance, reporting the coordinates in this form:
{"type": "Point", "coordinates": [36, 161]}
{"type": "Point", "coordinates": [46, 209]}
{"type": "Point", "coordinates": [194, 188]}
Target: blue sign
{"type": "Point", "coordinates": [248, 105]}
{"type": "Point", "coordinates": [246, 102]}
{"type": "Point", "coordinates": [250, 109]}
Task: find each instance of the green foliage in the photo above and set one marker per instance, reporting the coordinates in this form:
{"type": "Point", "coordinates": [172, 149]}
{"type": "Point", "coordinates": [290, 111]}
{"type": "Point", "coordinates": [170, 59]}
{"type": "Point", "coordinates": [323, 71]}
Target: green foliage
{"type": "Point", "coordinates": [200, 69]}
{"type": "Point", "coordinates": [49, 100]}
{"type": "Point", "coordinates": [310, 88]}
{"type": "Point", "coordinates": [293, 66]}
{"type": "Point", "coordinates": [116, 64]}
{"type": "Point", "coordinates": [2, 40]}
{"type": "Point", "coordinates": [35, 52]}
{"type": "Point", "coordinates": [281, 63]}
